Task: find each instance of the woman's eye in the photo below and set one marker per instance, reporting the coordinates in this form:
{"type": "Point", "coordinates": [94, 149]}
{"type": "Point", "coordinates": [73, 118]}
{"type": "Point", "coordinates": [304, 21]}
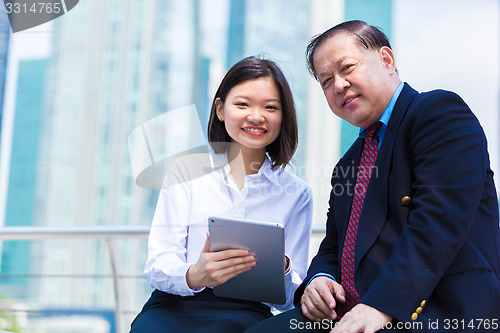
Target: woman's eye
{"type": "Point", "coordinates": [272, 107]}
{"type": "Point", "coordinates": [242, 104]}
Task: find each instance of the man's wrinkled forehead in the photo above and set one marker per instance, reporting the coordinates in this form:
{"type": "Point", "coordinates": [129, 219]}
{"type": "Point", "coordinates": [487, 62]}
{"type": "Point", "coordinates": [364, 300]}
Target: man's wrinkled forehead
{"type": "Point", "coordinates": [334, 58]}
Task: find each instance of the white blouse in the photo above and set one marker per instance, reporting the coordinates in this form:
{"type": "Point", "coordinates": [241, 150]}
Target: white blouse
{"type": "Point", "coordinates": [200, 185]}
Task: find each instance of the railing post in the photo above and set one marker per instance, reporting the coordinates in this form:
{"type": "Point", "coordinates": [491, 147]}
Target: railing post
{"type": "Point", "coordinates": [121, 299]}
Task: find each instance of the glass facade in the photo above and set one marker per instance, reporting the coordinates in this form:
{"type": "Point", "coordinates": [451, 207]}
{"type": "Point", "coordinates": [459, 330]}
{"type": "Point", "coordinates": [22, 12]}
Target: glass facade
{"type": "Point", "coordinates": [4, 42]}
{"type": "Point", "coordinates": [16, 256]}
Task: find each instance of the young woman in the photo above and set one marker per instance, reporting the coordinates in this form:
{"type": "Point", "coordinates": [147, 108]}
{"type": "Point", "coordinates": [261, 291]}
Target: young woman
{"type": "Point", "coordinates": [253, 134]}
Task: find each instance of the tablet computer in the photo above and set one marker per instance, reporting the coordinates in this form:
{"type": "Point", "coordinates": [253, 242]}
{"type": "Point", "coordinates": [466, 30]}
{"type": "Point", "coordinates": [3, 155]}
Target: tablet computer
{"type": "Point", "coordinates": [265, 282]}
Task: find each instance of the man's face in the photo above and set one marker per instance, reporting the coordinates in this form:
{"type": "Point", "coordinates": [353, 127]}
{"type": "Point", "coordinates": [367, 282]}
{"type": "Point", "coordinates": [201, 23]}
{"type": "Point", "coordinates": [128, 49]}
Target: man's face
{"type": "Point", "coordinates": [358, 83]}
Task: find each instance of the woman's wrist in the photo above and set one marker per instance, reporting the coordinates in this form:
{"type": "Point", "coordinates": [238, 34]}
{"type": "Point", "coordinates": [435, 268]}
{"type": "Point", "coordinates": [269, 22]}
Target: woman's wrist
{"type": "Point", "coordinates": [190, 278]}
{"type": "Point", "coordinates": [288, 265]}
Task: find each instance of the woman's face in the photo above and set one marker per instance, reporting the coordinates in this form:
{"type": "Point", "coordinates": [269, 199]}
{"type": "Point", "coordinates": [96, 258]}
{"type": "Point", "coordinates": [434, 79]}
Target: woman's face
{"type": "Point", "coordinates": [252, 113]}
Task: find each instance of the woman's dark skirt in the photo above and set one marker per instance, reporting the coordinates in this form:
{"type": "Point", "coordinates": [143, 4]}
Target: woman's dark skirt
{"type": "Point", "coordinates": [203, 312]}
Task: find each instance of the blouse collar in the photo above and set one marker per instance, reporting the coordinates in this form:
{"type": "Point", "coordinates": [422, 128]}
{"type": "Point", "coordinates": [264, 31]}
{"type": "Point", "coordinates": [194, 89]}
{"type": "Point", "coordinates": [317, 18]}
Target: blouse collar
{"type": "Point", "coordinates": [265, 169]}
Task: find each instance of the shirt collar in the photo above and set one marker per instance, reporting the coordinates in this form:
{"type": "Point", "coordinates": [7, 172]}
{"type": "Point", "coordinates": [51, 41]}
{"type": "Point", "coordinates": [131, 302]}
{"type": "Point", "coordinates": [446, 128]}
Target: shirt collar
{"type": "Point", "coordinates": [265, 170]}
{"type": "Point", "coordinates": [384, 119]}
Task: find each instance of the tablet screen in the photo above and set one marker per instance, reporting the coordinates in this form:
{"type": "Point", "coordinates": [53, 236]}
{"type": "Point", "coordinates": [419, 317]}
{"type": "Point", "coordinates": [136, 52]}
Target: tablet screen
{"type": "Point", "coordinates": [265, 282]}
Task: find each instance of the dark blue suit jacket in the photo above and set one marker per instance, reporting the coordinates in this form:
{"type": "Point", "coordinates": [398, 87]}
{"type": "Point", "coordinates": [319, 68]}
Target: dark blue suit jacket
{"type": "Point", "coordinates": [440, 244]}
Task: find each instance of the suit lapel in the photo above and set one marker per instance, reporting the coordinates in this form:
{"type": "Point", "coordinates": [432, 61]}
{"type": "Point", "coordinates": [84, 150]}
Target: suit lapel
{"type": "Point", "coordinates": [374, 212]}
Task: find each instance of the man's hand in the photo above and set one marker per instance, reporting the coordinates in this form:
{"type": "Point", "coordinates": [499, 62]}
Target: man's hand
{"type": "Point", "coordinates": [215, 268]}
{"type": "Point", "coordinates": [321, 297]}
{"type": "Point", "coordinates": [362, 318]}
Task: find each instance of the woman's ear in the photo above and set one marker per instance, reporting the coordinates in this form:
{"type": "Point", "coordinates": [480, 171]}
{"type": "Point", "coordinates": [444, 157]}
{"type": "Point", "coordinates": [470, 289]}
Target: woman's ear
{"type": "Point", "coordinates": [219, 109]}
{"type": "Point", "coordinates": [387, 57]}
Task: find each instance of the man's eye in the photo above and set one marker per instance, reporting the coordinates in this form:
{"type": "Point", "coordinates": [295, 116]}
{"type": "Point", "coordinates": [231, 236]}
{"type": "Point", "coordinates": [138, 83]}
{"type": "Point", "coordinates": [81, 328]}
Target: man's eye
{"type": "Point", "coordinates": [326, 82]}
{"type": "Point", "coordinates": [346, 67]}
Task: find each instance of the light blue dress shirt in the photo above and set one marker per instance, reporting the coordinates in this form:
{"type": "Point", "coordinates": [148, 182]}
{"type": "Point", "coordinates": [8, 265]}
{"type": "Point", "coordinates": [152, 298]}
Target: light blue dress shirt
{"type": "Point", "coordinates": [384, 119]}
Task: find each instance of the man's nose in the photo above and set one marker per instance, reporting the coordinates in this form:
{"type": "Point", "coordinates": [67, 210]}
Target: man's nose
{"type": "Point", "coordinates": [341, 83]}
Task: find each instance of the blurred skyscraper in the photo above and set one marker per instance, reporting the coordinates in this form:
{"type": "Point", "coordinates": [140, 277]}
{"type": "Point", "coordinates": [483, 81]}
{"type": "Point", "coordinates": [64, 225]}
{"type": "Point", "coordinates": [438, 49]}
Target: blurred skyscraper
{"type": "Point", "coordinates": [115, 64]}
{"type": "Point", "coordinates": [4, 44]}
{"type": "Point", "coordinates": [16, 258]}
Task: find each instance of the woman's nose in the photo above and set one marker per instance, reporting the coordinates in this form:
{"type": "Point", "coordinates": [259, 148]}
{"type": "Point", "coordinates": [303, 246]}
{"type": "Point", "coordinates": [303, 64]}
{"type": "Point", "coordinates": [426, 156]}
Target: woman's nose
{"type": "Point", "coordinates": [256, 115]}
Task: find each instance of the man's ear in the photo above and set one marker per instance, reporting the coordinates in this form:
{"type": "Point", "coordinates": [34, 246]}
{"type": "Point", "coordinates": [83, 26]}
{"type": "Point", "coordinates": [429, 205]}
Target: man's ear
{"type": "Point", "coordinates": [387, 58]}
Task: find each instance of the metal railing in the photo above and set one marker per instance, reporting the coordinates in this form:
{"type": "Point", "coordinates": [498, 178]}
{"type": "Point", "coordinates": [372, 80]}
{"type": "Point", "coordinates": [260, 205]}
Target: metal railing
{"type": "Point", "coordinates": [109, 233]}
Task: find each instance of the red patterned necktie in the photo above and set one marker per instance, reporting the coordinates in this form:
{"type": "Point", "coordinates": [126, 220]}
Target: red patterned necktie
{"type": "Point", "coordinates": [368, 158]}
